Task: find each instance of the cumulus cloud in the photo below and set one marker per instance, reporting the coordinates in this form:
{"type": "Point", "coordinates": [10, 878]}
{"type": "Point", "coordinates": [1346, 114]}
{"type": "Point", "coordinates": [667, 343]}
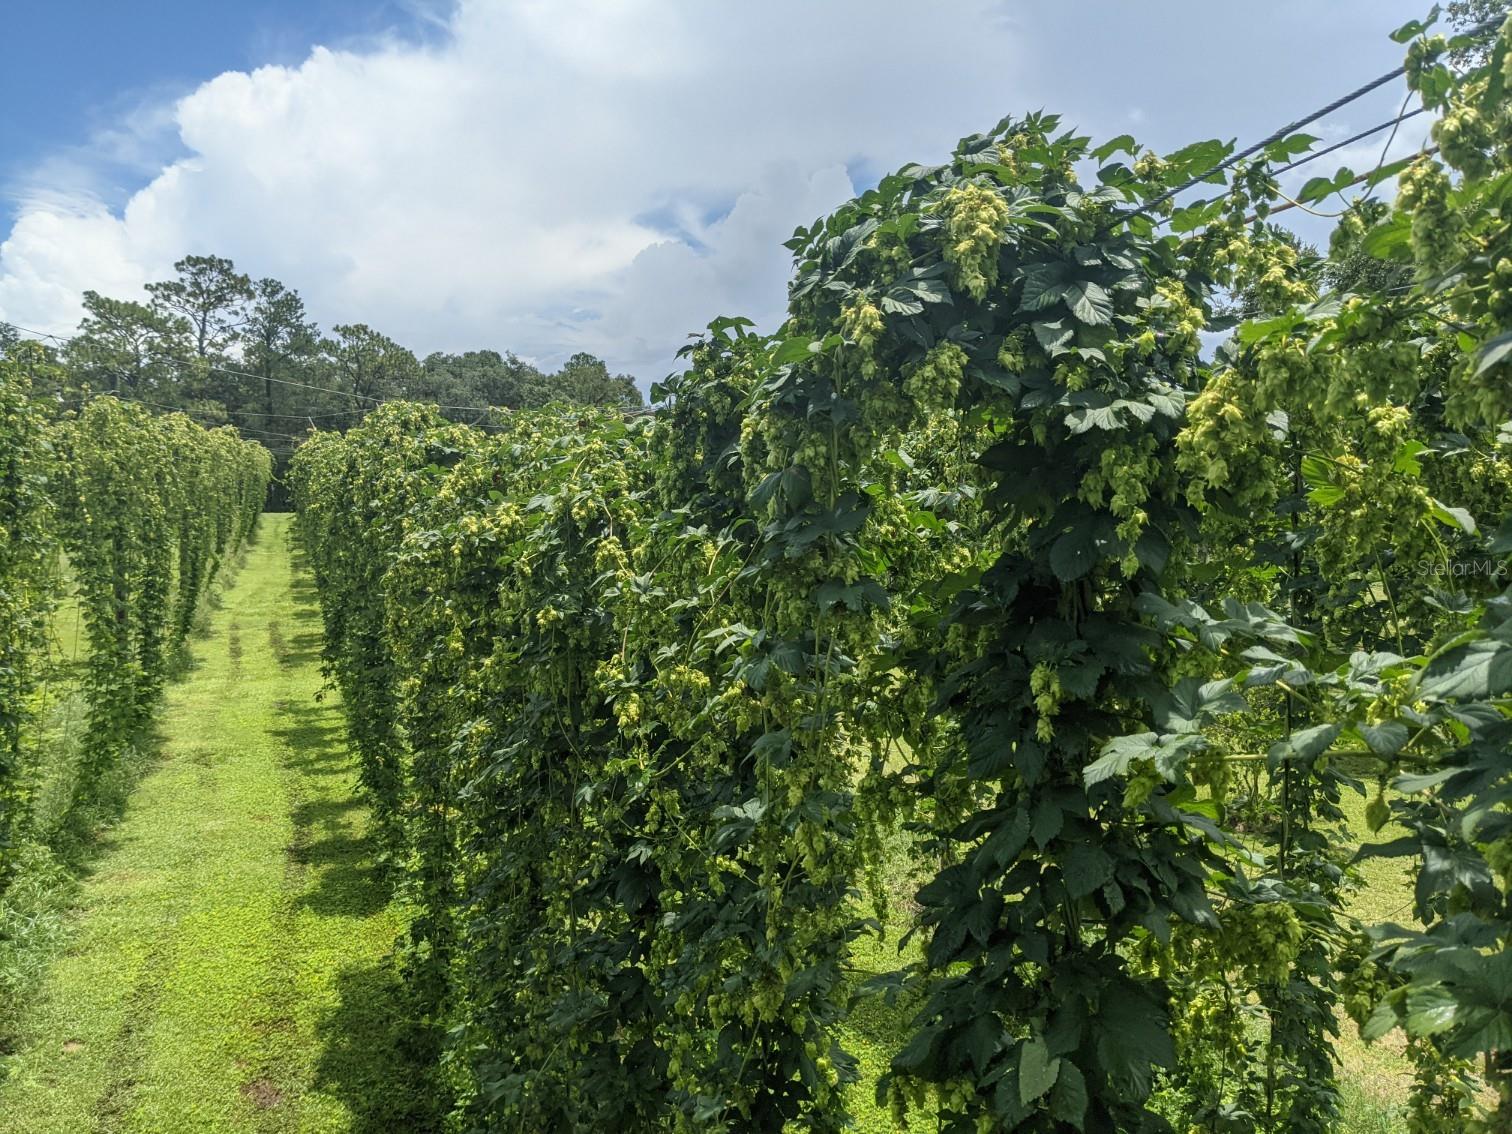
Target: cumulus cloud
{"type": "Point", "coordinates": [547, 176]}
{"type": "Point", "coordinates": [557, 175]}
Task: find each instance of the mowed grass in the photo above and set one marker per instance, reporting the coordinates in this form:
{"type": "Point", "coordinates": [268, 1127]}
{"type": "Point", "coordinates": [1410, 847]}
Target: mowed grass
{"type": "Point", "coordinates": [229, 967]}
{"type": "Point", "coordinates": [1375, 1079]}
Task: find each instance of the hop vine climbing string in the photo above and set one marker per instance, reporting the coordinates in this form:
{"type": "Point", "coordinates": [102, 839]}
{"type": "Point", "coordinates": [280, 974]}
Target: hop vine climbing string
{"type": "Point", "coordinates": [135, 512]}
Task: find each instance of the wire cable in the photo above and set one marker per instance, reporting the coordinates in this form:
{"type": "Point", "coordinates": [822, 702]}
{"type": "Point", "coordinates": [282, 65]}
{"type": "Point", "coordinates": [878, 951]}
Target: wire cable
{"type": "Point", "coordinates": [201, 417]}
{"type": "Point", "coordinates": [1393, 123]}
{"type": "Point", "coordinates": [1429, 152]}
{"type": "Point", "coordinates": [1386, 149]}
{"type": "Point", "coordinates": [1293, 127]}
{"type": "Point", "coordinates": [1271, 139]}
{"type": "Point", "coordinates": [1390, 123]}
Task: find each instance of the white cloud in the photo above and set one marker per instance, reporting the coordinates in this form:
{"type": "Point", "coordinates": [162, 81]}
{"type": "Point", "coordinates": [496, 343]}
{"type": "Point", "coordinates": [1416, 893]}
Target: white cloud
{"type": "Point", "coordinates": [542, 178]}
{"type": "Point", "coordinates": [1315, 223]}
{"type": "Point", "coordinates": [553, 175]}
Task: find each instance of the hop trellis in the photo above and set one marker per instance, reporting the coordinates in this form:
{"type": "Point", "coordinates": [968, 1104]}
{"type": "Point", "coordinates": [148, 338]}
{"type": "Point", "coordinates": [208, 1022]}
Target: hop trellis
{"type": "Point", "coordinates": [946, 552]}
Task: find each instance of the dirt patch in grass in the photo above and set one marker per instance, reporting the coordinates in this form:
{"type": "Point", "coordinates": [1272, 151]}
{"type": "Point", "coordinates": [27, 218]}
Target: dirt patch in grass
{"type": "Point", "coordinates": [262, 1094]}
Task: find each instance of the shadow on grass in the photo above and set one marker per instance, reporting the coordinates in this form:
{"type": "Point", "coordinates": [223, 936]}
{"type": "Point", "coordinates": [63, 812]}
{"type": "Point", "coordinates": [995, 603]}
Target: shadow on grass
{"type": "Point", "coordinates": [377, 1054]}
{"type": "Point", "coordinates": [87, 830]}
{"type": "Point", "coordinates": [37, 899]}
{"type": "Point", "coordinates": [328, 834]}
{"type": "Point", "coordinates": [182, 662]}
{"type": "Point", "coordinates": [350, 883]}
{"type": "Point", "coordinates": [303, 590]}
{"type": "Point", "coordinates": [303, 648]}
{"type": "Point", "coordinates": [880, 1025]}
{"type": "Point", "coordinates": [314, 739]}
{"type": "Point", "coordinates": [308, 643]}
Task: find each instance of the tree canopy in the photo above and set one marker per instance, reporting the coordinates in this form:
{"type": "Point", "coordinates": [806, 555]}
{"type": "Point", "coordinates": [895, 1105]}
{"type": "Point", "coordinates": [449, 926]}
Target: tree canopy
{"type": "Point", "coordinates": [228, 348]}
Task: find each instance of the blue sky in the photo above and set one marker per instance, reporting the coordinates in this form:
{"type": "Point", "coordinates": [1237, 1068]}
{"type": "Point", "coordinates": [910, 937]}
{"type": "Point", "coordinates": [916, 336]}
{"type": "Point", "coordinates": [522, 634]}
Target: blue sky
{"type": "Point", "coordinates": [77, 67]}
{"type": "Point", "coordinates": [557, 175]}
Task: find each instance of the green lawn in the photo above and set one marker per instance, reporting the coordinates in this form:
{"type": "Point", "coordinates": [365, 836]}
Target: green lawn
{"type": "Point", "coordinates": [1375, 1079]}
{"type": "Point", "coordinates": [228, 968]}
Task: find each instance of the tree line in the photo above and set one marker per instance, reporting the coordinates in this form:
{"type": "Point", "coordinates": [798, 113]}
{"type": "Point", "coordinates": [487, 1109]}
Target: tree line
{"type": "Point", "coordinates": [227, 348]}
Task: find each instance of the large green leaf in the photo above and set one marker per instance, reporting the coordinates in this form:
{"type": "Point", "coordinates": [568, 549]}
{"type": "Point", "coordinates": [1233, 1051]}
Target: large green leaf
{"type": "Point", "coordinates": [1132, 1035]}
{"type": "Point", "coordinates": [1465, 998]}
{"type": "Point", "coordinates": [1054, 336]}
{"type": "Point", "coordinates": [1454, 517]}
{"type": "Point", "coordinates": [1124, 143]}
{"type": "Point", "coordinates": [1085, 868]}
{"type": "Point", "coordinates": [1493, 352]}
{"type": "Point", "coordinates": [1074, 553]}
{"type": "Point", "coordinates": [1197, 157]}
{"type": "Point", "coordinates": [1038, 1070]}
{"type": "Point", "coordinates": [1168, 752]}
{"type": "Point", "coordinates": [920, 1056]}
{"type": "Point", "coordinates": [1093, 417]}
{"type": "Point", "coordinates": [980, 1040]}
{"type": "Point", "coordinates": [1431, 1010]}
{"type": "Point", "coordinates": [1192, 701]}
{"type": "Point", "coordinates": [793, 350]}
{"type": "Point", "coordinates": [1289, 147]}
{"type": "Point", "coordinates": [1090, 303]}
{"type": "Point", "coordinates": [1068, 1098]}
{"type": "Point", "coordinates": [1391, 239]}
{"type": "Point", "coordinates": [1382, 1020]}
{"type": "Point", "coordinates": [1385, 739]}
{"type": "Point", "coordinates": [1045, 284]}
{"type": "Point", "coordinates": [1478, 669]}
{"type": "Point", "coordinates": [1501, 540]}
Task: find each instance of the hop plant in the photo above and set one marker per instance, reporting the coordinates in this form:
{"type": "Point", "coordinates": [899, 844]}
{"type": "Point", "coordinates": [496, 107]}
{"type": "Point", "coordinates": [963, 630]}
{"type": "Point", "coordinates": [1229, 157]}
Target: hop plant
{"type": "Point", "coordinates": [938, 379]}
{"type": "Point", "coordinates": [861, 323]}
{"type": "Point", "coordinates": [975, 219]}
{"type": "Point", "coordinates": [1045, 684]}
{"type": "Point", "coordinates": [1225, 446]}
{"type": "Point", "coordinates": [1184, 320]}
{"type": "Point", "coordinates": [1464, 139]}
{"type": "Point", "coordinates": [1263, 939]}
{"type": "Point", "coordinates": [1149, 165]}
{"type": "Point", "coordinates": [1423, 55]}
{"type": "Point", "coordinates": [1423, 191]}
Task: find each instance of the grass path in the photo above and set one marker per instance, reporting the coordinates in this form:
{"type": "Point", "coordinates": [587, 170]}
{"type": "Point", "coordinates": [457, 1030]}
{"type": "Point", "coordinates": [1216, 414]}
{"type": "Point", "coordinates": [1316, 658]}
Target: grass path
{"type": "Point", "coordinates": [228, 970]}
